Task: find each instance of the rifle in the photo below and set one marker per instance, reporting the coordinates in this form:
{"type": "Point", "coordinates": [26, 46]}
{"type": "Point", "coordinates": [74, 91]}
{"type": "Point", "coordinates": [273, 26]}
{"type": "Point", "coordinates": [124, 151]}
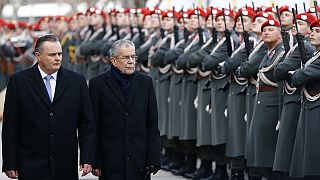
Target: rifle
{"type": "Point", "coordinates": [141, 34]}
{"type": "Point", "coordinates": [214, 33]}
{"type": "Point", "coordinates": [175, 27]}
{"type": "Point", "coordinates": [284, 34]}
{"type": "Point", "coordinates": [185, 31]}
{"type": "Point", "coordinates": [300, 40]}
{"type": "Point", "coordinates": [296, 6]}
{"type": "Point", "coordinates": [200, 30]}
{"type": "Point", "coordinates": [253, 7]}
{"type": "Point", "coordinates": [315, 8]}
{"type": "Point", "coordinates": [304, 7]}
{"type": "Point", "coordinates": [245, 36]}
{"type": "Point", "coordinates": [159, 19]}
{"type": "Point", "coordinates": [130, 25]}
{"type": "Point", "coordinates": [116, 25]}
{"type": "Point", "coordinates": [112, 23]}
{"type": "Point", "coordinates": [227, 34]}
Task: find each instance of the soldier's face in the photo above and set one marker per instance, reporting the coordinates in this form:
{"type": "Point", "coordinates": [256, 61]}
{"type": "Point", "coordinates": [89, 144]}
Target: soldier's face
{"type": "Point", "coordinates": [122, 19]}
{"type": "Point", "coordinates": [209, 22]}
{"type": "Point", "coordinates": [73, 25]}
{"type": "Point", "coordinates": [286, 18]}
{"type": "Point", "coordinates": [193, 22]}
{"type": "Point", "coordinates": [125, 61]}
{"type": "Point", "coordinates": [50, 57]}
{"type": "Point", "coordinates": [246, 22]}
{"type": "Point", "coordinates": [303, 28]}
{"type": "Point", "coordinates": [155, 20]}
{"type": "Point", "coordinates": [82, 20]}
{"type": "Point", "coordinates": [147, 22]}
{"type": "Point", "coordinates": [256, 25]}
{"type": "Point", "coordinates": [168, 23]}
{"type": "Point", "coordinates": [315, 36]}
{"type": "Point", "coordinates": [220, 23]}
{"type": "Point", "coordinates": [271, 34]}
{"type": "Point", "coordinates": [96, 20]}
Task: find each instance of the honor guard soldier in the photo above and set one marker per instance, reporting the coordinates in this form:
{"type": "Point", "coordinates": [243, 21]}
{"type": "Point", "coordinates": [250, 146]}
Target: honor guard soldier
{"type": "Point", "coordinates": [144, 40]}
{"type": "Point", "coordinates": [249, 68]}
{"type": "Point", "coordinates": [187, 160]}
{"type": "Point", "coordinates": [262, 132]}
{"type": "Point", "coordinates": [227, 43]}
{"type": "Point", "coordinates": [305, 157]}
{"type": "Point", "coordinates": [294, 60]}
{"type": "Point", "coordinates": [235, 146]}
{"type": "Point", "coordinates": [97, 29]}
{"type": "Point", "coordinates": [169, 129]}
{"type": "Point", "coordinates": [188, 93]}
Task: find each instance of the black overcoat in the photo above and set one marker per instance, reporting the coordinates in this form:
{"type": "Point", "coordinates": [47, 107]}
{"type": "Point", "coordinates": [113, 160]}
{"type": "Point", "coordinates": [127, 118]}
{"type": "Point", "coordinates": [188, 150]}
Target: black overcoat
{"type": "Point", "coordinates": [128, 137]}
{"type": "Point", "coordinates": [40, 138]}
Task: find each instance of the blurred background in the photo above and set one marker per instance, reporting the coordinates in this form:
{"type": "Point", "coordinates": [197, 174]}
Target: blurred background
{"type": "Point", "coordinates": [29, 10]}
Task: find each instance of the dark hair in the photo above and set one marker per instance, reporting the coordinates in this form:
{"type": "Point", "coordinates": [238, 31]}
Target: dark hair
{"type": "Point", "coordinates": [42, 39]}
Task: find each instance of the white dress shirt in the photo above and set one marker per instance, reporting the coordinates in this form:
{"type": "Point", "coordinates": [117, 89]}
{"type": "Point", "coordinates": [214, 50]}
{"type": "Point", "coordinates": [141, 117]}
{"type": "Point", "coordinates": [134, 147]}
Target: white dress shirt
{"type": "Point", "coordinates": [53, 81]}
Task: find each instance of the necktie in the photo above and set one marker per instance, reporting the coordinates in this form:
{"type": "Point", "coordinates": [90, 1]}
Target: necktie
{"type": "Point", "coordinates": [48, 86]}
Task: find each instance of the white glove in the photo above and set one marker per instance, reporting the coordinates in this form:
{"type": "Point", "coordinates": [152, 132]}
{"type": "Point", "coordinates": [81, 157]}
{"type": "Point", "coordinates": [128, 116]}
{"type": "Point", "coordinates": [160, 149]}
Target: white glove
{"type": "Point", "coordinates": [278, 126]}
{"type": "Point", "coordinates": [195, 102]}
{"type": "Point", "coordinates": [208, 109]}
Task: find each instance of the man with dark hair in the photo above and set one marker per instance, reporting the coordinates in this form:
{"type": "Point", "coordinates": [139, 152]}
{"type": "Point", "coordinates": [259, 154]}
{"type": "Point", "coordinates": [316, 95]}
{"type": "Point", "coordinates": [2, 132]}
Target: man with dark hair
{"type": "Point", "coordinates": [126, 117]}
{"type": "Point", "coordinates": [47, 111]}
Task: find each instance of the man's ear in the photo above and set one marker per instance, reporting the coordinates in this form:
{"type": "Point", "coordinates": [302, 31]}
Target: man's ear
{"type": "Point", "coordinates": [113, 61]}
{"type": "Point", "coordinates": [37, 54]}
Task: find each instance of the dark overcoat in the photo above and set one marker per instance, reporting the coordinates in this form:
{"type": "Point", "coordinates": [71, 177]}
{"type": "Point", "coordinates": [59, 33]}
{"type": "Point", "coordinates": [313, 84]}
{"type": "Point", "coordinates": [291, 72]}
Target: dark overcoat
{"type": "Point", "coordinates": [128, 137]}
{"type": "Point", "coordinates": [39, 138]}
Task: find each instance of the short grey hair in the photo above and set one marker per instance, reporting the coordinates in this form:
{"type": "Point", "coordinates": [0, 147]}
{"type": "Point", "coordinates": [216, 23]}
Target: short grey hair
{"type": "Point", "coordinates": [114, 50]}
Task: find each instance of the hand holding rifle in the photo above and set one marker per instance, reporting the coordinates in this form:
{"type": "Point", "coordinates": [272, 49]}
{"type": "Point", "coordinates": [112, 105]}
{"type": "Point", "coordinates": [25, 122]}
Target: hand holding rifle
{"type": "Point", "coordinates": [300, 40]}
{"type": "Point", "coordinates": [284, 34]}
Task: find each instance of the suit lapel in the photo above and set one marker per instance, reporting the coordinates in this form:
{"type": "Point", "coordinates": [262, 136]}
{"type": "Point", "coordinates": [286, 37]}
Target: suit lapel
{"type": "Point", "coordinates": [38, 85]}
{"type": "Point", "coordinates": [132, 88]}
{"type": "Point", "coordinates": [114, 85]}
{"type": "Point", "coordinates": [62, 84]}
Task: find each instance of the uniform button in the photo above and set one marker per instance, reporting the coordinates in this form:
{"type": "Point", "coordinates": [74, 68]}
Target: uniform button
{"type": "Point", "coordinates": [259, 102]}
{"type": "Point", "coordinates": [51, 158]}
{"type": "Point", "coordinates": [52, 136]}
{"type": "Point", "coordinates": [51, 114]}
{"type": "Point", "coordinates": [128, 158]}
{"type": "Point", "coordinates": [127, 114]}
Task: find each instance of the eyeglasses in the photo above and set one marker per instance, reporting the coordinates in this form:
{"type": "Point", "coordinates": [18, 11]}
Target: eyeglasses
{"type": "Point", "coordinates": [127, 58]}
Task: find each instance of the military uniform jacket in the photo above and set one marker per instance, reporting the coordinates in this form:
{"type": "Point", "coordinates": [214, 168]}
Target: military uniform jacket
{"type": "Point", "coordinates": [262, 133]}
{"type": "Point", "coordinates": [305, 158]}
{"type": "Point", "coordinates": [142, 50]}
{"type": "Point", "coordinates": [39, 137]}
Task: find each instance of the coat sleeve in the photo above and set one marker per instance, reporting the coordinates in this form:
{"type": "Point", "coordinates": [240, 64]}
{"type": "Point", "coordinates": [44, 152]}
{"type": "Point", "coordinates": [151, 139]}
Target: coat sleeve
{"type": "Point", "coordinates": [153, 156]}
{"type": "Point", "coordinates": [232, 63]}
{"type": "Point", "coordinates": [96, 108]}
{"type": "Point", "coordinates": [307, 75]}
{"type": "Point", "coordinates": [86, 129]}
{"type": "Point", "coordinates": [158, 56]}
{"type": "Point", "coordinates": [250, 68]}
{"type": "Point", "coordinates": [211, 61]}
{"type": "Point", "coordinates": [10, 128]}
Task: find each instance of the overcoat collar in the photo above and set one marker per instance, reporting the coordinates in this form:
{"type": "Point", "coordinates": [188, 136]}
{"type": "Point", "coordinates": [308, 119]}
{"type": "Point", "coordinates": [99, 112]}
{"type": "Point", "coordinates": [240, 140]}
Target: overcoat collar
{"type": "Point", "coordinates": [114, 85]}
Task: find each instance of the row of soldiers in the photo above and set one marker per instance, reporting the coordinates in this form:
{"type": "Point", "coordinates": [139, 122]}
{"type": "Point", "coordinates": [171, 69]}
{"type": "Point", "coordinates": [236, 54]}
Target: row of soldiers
{"type": "Point", "coordinates": [237, 89]}
{"type": "Point", "coordinates": [243, 91]}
